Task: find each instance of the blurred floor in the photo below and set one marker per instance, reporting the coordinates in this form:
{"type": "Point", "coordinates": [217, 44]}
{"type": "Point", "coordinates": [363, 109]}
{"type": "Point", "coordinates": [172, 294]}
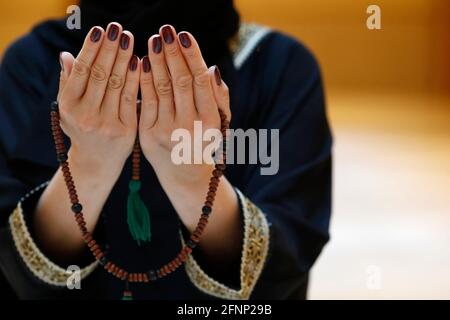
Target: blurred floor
{"type": "Point", "coordinates": [391, 217]}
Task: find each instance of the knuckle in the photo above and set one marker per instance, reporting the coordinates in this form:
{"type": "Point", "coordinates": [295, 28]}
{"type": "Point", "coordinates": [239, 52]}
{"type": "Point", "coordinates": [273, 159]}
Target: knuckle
{"type": "Point", "coordinates": [80, 67]}
{"type": "Point", "coordinates": [149, 104]}
{"type": "Point", "coordinates": [172, 51]}
{"type": "Point", "coordinates": [123, 57]}
{"type": "Point", "coordinates": [147, 81]}
{"type": "Point", "coordinates": [201, 79]}
{"type": "Point", "coordinates": [115, 81]}
{"type": "Point", "coordinates": [149, 107]}
{"type": "Point", "coordinates": [98, 73]}
{"type": "Point", "coordinates": [183, 81]}
{"type": "Point", "coordinates": [109, 46]}
{"type": "Point", "coordinates": [190, 53]}
{"type": "Point", "coordinates": [163, 87]}
{"type": "Point", "coordinates": [127, 98]}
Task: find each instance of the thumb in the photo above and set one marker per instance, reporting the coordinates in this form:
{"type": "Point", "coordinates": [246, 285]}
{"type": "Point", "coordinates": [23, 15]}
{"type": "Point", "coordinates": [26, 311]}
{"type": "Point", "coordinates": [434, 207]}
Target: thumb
{"type": "Point", "coordinates": [66, 60]}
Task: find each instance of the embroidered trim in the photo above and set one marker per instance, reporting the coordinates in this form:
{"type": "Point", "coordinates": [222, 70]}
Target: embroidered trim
{"type": "Point", "coordinates": [34, 259]}
{"type": "Point", "coordinates": [254, 254]}
{"type": "Point", "coordinates": [248, 37]}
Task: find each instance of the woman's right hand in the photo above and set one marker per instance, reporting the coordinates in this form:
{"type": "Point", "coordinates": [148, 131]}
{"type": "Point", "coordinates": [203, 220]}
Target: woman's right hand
{"type": "Point", "coordinates": [97, 100]}
{"type": "Point", "coordinates": [97, 105]}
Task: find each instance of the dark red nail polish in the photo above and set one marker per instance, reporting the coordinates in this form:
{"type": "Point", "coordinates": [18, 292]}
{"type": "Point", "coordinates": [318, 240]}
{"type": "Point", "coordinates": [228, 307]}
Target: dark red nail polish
{"type": "Point", "coordinates": [96, 34]}
{"type": "Point", "coordinates": [124, 41]}
{"type": "Point", "coordinates": [146, 64]}
{"type": "Point", "coordinates": [113, 32]}
{"type": "Point", "coordinates": [157, 44]}
{"type": "Point", "coordinates": [217, 75]}
{"type": "Point", "coordinates": [185, 40]}
{"type": "Point", "coordinates": [61, 61]}
{"type": "Point", "coordinates": [133, 63]}
{"type": "Point", "coordinates": [167, 34]}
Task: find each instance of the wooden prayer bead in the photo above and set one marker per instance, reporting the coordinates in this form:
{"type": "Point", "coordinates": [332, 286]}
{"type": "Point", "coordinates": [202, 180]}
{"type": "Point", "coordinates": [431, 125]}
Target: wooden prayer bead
{"type": "Point", "coordinates": [171, 266]}
{"type": "Point", "coordinates": [214, 180]}
{"type": "Point", "coordinates": [87, 237]}
{"type": "Point", "coordinates": [167, 269]}
{"type": "Point", "coordinates": [206, 209]}
{"type": "Point", "coordinates": [217, 173]}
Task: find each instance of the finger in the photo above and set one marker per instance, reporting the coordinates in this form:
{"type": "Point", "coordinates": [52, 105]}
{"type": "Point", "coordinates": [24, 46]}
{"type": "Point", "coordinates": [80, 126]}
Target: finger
{"type": "Point", "coordinates": [128, 98]}
{"type": "Point", "coordinates": [116, 81]}
{"type": "Point", "coordinates": [66, 60]}
{"type": "Point", "coordinates": [77, 81]}
{"type": "Point", "coordinates": [102, 67]}
{"type": "Point", "coordinates": [161, 80]}
{"type": "Point", "coordinates": [180, 74]}
{"type": "Point", "coordinates": [221, 91]}
{"type": "Point", "coordinates": [149, 105]}
{"type": "Point", "coordinates": [203, 95]}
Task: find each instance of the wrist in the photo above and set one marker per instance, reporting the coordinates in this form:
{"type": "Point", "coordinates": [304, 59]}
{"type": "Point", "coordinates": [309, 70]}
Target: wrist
{"type": "Point", "coordinates": [185, 176]}
{"type": "Point", "coordinates": [91, 168]}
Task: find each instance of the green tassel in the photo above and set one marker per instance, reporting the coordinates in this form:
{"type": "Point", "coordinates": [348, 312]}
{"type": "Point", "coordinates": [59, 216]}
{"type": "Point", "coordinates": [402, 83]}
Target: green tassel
{"type": "Point", "coordinates": [127, 296]}
{"type": "Point", "coordinates": [138, 217]}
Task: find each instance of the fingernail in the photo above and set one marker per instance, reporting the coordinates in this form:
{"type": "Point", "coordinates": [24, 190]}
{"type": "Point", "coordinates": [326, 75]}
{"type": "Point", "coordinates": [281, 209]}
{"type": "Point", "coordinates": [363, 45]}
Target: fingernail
{"type": "Point", "coordinates": [61, 61]}
{"type": "Point", "coordinates": [217, 75]}
{"type": "Point", "coordinates": [157, 45]}
{"type": "Point", "coordinates": [133, 63]}
{"type": "Point", "coordinates": [113, 32]}
{"type": "Point", "coordinates": [96, 34]}
{"type": "Point", "coordinates": [167, 34]}
{"type": "Point", "coordinates": [185, 40]}
{"type": "Point", "coordinates": [124, 41]}
{"type": "Point", "coordinates": [146, 64]}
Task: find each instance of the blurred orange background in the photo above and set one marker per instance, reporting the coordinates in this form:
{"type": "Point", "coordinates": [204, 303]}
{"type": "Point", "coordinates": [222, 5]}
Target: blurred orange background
{"type": "Point", "coordinates": [388, 94]}
{"type": "Point", "coordinates": [410, 53]}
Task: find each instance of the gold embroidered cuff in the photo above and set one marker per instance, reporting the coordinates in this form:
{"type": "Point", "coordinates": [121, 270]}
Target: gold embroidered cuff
{"type": "Point", "coordinates": [34, 259]}
{"type": "Point", "coordinates": [254, 253]}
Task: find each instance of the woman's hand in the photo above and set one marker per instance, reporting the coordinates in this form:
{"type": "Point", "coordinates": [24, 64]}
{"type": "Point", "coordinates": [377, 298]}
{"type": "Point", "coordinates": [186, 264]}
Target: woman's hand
{"type": "Point", "coordinates": [177, 89]}
{"type": "Point", "coordinates": [97, 100]}
{"type": "Point", "coordinates": [97, 105]}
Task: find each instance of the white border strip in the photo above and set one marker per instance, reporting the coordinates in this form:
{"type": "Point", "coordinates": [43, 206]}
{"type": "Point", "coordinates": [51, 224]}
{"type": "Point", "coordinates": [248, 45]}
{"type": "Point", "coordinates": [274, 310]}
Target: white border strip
{"type": "Point", "coordinates": [249, 46]}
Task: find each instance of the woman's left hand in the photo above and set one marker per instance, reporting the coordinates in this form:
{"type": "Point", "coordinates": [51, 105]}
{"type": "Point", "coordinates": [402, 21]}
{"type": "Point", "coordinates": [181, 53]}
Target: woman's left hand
{"type": "Point", "coordinates": [177, 89]}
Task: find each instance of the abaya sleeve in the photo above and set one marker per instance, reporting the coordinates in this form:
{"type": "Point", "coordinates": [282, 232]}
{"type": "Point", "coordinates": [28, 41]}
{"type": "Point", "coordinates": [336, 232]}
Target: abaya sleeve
{"type": "Point", "coordinates": [24, 100]}
{"type": "Point", "coordinates": [286, 213]}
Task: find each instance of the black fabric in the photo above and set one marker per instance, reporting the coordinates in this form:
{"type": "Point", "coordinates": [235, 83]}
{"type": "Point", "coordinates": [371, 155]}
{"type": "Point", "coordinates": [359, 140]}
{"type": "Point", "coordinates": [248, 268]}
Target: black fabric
{"type": "Point", "coordinates": [211, 22]}
{"type": "Point", "coordinates": [6, 292]}
{"type": "Point", "coordinates": [279, 86]}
